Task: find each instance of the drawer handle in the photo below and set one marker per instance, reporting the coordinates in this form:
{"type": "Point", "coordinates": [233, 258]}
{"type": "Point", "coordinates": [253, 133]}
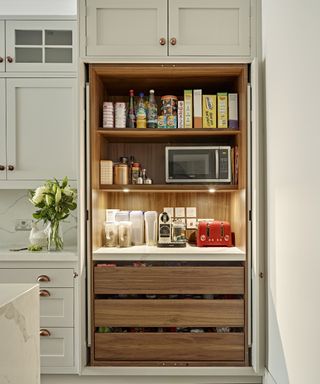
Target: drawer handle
{"type": "Point", "coordinates": [9, 59]}
{"type": "Point", "coordinates": [11, 167]}
{"type": "Point", "coordinates": [2, 167]}
{"type": "Point", "coordinates": [43, 278]}
{"type": "Point", "coordinates": [1, 59]}
{"type": "Point", "coordinates": [44, 332]}
{"type": "Point", "coordinates": [162, 41]}
{"type": "Point", "coordinates": [44, 293]}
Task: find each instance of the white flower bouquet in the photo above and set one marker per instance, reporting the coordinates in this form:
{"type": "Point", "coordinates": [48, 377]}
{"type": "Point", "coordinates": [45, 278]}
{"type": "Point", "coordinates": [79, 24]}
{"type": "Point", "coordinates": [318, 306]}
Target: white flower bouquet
{"type": "Point", "coordinates": [54, 201]}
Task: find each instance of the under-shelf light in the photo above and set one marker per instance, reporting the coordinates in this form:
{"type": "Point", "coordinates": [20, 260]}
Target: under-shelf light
{"type": "Point", "coordinates": [126, 190]}
{"type": "Point", "coordinates": [211, 190]}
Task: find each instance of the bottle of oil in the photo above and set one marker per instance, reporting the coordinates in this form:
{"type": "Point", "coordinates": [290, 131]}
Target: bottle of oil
{"type": "Point", "coordinates": [141, 112]}
{"type": "Point", "coordinates": [152, 113]}
{"type": "Point", "coordinates": [131, 119]}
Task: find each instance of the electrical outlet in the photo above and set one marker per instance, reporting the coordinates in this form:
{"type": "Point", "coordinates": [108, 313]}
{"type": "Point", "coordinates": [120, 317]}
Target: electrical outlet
{"type": "Point", "coordinates": [23, 225]}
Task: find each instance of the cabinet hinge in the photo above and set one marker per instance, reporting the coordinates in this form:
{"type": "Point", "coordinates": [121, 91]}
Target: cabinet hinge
{"type": "Point", "coordinates": [250, 215]}
{"type": "Point", "coordinates": [87, 215]}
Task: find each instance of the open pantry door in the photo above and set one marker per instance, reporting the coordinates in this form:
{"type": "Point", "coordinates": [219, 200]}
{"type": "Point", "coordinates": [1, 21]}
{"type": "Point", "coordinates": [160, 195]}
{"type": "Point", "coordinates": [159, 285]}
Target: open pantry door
{"type": "Point", "coordinates": [257, 235]}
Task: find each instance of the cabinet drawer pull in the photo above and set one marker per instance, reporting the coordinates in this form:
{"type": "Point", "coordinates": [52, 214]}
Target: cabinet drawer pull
{"type": "Point", "coordinates": [162, 41]}
{"type": "Point", "coordinates": [9, 59]}
{"type": "Point", "coordinates": [43, 278]}
{"type": "Point", "coordinates": [1, 59]}
{"type": "Point", "coordinates": [44, 332]}
{"type": "Point", "coordinates": [44, 293]}
{"type": "Point", "coordinates": [10, 167]}
{"type": "Point", "coordinates": [2, 167]}
{"type": "Point", "coordinates": [173, 41]}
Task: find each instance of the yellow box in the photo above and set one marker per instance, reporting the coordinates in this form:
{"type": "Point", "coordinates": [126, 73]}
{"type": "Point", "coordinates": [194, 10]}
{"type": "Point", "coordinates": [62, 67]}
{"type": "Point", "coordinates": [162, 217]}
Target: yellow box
{"type": "Point", "coordinates": [209, 111]}
{"type": "Point", "coordinates": [188, 116]}
{"type": "Point", "coordinates": [222, 100]}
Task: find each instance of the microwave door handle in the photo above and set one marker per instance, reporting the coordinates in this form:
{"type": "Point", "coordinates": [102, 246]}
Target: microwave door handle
{"type": "Point", "coordinates": [217, 164]}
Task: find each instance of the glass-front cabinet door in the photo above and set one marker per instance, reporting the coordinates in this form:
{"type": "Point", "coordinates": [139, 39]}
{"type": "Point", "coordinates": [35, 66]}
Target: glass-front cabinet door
{"type": "Point", "coordinates": [2, 47]}
{"type": "Point", "coordinates": [41, 46]}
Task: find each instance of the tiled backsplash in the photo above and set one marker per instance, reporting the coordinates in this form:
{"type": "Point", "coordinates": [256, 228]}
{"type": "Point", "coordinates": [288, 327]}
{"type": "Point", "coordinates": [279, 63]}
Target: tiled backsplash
{"type": "Point", "coordinates": [14, 204]}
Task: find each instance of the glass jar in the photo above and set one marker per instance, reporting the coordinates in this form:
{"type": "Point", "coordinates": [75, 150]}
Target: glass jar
{"type": "Point", "coordinates": [125, 233]}
{"type": "Point", "coordinates": [111, 234]}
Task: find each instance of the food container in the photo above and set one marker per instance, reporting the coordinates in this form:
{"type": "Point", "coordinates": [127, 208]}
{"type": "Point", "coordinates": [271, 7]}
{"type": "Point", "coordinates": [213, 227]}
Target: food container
{"type": "Point", "coordinates": [111, 234]}
{"type": "Point", "coordinates": [178, 232]}
{"type": "Point", "coordinates": [121, 174]}
{"type": "Point", "coordinates": [136, 218]}
{"type": "Point", "coordinates": [169, 105]}
{"type": "Point", "coordinates": [125, 234]}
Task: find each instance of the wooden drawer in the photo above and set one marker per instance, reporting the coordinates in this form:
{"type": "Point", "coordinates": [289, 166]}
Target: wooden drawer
{"type": "Point", "coordinates": [56, 349]}
{"type": "Point", "coordinates": [56, 307]}
{"type": "Point", "coordinates": [201, 280]}
{"type": "Point", "coordinates": [169, 313]}
{"type": "Point", "coordinates": [57, 277]}
{"type": "Point", "coordinates": [169, 346]}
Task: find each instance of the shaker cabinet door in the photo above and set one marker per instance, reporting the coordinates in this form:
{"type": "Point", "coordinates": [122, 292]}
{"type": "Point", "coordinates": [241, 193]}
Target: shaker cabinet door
{"type": "Point", "coordinates": [126, 27]}
{"type": "Point", "coordinates": [2, 47]}
{"type": "Point", "coordinates": [3, 160]}
{"type": "Point", "coordinates": [209, 27]}
{"type": "Point", "coordinates": [41, 128]}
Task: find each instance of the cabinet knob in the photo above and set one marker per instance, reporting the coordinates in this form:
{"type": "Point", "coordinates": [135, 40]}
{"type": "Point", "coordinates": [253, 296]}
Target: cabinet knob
{"type": "Point", "coordinates": [43, 278]}
{"type": "Point", "coordinates": [44, 332]}
{"type": "Point", "coordinates": [2, 167]}
{"type": "Point", "coordinates": [9, 59]}
{"type": "Point", "coordinates": [162, 41]}
{"type": "Point", "coordinates": [10, 167]}
{"type": "Point", "coordinates": [173, 41]}
{"type": "Point", "coordinates": [1, 59]}
{"type": "Point", "coordinates": [44, 293]}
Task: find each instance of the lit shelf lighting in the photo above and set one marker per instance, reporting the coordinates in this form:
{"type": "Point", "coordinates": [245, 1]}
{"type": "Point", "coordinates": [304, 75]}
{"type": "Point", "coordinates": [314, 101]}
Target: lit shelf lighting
{"type": "Point", "coordinates": [211, 190]}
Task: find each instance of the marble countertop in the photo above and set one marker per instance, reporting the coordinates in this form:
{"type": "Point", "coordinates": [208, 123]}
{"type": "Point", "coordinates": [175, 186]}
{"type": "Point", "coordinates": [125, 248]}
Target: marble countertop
{"type": "Point", "coordinates": [10, 292]}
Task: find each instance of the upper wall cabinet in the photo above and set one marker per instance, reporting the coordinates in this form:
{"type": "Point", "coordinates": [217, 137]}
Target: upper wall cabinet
{"type": "Point", "coordinates": [186, 28]}
{"type": "Point", "coordinates": [40, 46]}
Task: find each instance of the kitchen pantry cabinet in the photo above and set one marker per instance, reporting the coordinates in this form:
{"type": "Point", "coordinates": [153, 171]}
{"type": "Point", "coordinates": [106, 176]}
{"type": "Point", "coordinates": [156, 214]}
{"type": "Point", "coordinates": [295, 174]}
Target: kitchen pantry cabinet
{"type": "Point", "coordinates": [56, 311]}
{"type": "Point", "coordinates": [159, 28]}
{"type": "Point", "coordinates": [38, 133]}
{"type": "Point", "coordinates": [39, 46]}
{"type": "Point", "coordinates": [182, 307]}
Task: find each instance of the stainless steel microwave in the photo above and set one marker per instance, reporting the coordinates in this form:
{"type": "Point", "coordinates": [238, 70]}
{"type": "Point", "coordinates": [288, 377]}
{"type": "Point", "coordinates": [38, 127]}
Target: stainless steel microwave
{"type": "Point", "coordinates": [197, 164]}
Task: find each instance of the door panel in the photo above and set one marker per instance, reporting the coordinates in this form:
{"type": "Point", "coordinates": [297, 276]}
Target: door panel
{"type": "Point", "coordinates": [2, 47]}
{"type": "Point", "coordinates": [41, 121]}
{"type": "Point", "coordinates": [209, 27]}
{"type": "Point", "coordinates": [126, 28]}
{"type": "Point", "coordinates": [3, 151]}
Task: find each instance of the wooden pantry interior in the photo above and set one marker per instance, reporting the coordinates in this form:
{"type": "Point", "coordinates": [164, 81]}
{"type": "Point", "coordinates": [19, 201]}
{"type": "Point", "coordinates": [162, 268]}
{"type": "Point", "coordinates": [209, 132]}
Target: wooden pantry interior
{"type": "Point", "coordinates": [181, 291]}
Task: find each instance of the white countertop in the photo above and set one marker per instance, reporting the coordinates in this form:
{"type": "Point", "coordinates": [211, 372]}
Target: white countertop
{"type": "Point", "coordinates": [191, 253]}
{"type": "Point", "coordinates": [67, 254]}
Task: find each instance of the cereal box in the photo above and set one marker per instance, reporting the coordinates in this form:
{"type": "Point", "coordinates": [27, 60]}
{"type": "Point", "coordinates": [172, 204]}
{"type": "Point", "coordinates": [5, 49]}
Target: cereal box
{"type": "Point", "coordinates": [188, 108]}
{"type": "Point", "coordinates": [209, 111]}
{"type": "Point", "coordinates": [222, 100]}
{"type": "Point", "coordinates": [197, 108]}
{"type": "Point", "coordinates": [180, 114]}
{"type": "Point", "coordinates": [233, 110]}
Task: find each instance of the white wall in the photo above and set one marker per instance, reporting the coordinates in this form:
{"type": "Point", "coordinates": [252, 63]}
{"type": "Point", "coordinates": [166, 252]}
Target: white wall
{"type": "Point", "coordinates": [38, 7]}
{"type": "Point", "coordinates": [291, 32]}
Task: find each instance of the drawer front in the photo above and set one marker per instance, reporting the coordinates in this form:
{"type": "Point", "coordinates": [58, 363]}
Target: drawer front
{"type": "Point", "coordinates": [211, 280]}
{"type": "Point", "coordinates": [45, 277]}
{"type": "Point", "coordinates": [169, 313]}
{"type": "Point", "coordinates": [56, 348]}
{"type": "Point", "coordinates": [169, 346]}
{"type": "Point", "coordinates": [56, 307]}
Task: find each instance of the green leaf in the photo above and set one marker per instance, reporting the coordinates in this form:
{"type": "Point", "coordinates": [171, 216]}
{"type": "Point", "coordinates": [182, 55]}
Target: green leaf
{"type": "Point", "coordinates": [64, 182]}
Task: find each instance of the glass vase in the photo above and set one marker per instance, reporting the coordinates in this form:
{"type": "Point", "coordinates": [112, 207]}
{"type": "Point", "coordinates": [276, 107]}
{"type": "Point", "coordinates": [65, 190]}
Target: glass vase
{"type": "Point", "coordinates": [55, 238]}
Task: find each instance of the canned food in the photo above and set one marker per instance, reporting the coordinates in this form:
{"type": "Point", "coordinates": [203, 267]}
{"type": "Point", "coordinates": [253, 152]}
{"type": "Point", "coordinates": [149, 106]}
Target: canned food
{"type": "Point", "coordinates": [169, 105]}
{"type": "Point", "coordinates": [162, 121]}
{"type": "Point", "coordinates": [171, 121]}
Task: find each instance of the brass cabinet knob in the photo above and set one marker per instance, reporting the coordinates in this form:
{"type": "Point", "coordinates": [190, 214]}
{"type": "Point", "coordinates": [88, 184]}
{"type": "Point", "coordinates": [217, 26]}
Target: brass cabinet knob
{"type": "Point", "coordinates": [44, 293]}
{"type": "Point", "coordinates": [173, 41]}
{"type": "Point", "coordinates": [9, 59]}
{"type": "Point", "coordinates": [11, 167]}
{"type": "Point", "coordinates": [1, 59]}
{"type": "Point", "coordinates": [43, 278]}
{"type": "Point", "coordinates": [2, 167]}
{"type": "Point", "coordinates": [162, 41]}
{"type": "Point", "coordinates": [44, 332]}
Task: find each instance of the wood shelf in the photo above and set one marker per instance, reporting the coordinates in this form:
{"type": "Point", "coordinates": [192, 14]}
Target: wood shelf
{"type": "Point", "coordinates": [169, 188]}
{"type": "Point", "coordinates": [158, 134]}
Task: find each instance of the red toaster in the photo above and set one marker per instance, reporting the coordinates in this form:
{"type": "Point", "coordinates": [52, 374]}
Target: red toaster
{"type": "Point", "coordinates": [214, 234]}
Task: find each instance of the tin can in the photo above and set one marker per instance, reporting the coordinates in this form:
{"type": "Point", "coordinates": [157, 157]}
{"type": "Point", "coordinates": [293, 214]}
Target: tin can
{"type": "Point", "coordinates": [162, 121]}
{"type": "Point", "coordinates": [169, 105]}
{"type": "Point", "coordinates": [171, 121]}
{"type": "Point", "coordinates": [120, 174]}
